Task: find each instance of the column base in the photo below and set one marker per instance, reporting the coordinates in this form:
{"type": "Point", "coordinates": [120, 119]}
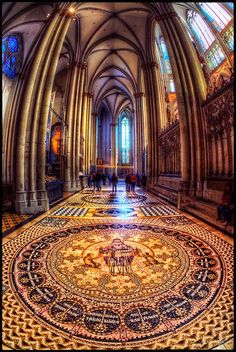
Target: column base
{"type": "Point", "coordinates": [26, 202]}
{"type": "Point", "coordinates": [75, 187]}
{"type": "Point", "coordinates": [199, 190]}
{"type": "Point", "coordinates": [183, 195]}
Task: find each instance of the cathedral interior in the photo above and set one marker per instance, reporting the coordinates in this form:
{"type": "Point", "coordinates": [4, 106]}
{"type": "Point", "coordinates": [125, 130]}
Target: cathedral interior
{"type": "Point", "coordinates": [117, 175]}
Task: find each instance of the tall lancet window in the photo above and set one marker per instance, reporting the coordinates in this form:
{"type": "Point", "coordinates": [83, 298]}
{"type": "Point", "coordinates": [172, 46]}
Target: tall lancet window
{"type": "Point", "coordinates": [216, 14]}
{"type": "Point", "coordinates": [168, 80]}
{"type": "Point", "coordinates": [200, 29]}
{"type": "Point", "coordinates": [221, 18]}
{"type": "Point", "coordinates": [206, 39]}
{"type": "Point", "coordinates": [125, 140]}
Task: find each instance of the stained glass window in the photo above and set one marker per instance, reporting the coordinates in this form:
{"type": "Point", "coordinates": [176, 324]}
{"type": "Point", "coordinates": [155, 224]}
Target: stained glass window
{"type": "Point", "coordinates": [230, 4]}
{"type": "Point", "coordinates": [125, 142]}
{"type": "Point", "coordinates": [200, 29]}
{"type": "Point", "coordinates": [216, 13]}
{"type": "Point", "coordinates": [165, 56]}
{"type": "Point", "coordinates": [11, 54]}
{"type": "Point", "coordinates": [215, 56]}
{"type": "Point", "coordinates": [172, 86]}
{"type": "Point", "coordinates": [229, 38]}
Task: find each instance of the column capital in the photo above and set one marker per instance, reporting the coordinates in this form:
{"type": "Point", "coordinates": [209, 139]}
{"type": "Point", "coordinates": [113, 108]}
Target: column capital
{"type": "Point", "coordinates": [165, 16]}
{"type": "Point", "coordinates": [139, 94]}
{"type": "Point", "coordinates": [79, 64]}
{"type": "Point", "coordinates": [87, 94]}
{"type": "Point", "coordinates": [150, 65]}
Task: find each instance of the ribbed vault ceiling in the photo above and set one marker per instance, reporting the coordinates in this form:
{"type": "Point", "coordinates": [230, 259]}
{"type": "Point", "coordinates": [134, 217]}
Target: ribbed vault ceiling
{"type": "Point", "coordinates": [109, 37]}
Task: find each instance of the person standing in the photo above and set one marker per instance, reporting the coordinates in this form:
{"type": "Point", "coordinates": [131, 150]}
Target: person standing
{"type": "Point", "coordinates": [128, 182]}
{"type": "Point", "coordinates": [144, 181]}
{"type": "Point", "coordinates": [225, 208]}
{"type": "Point", "coordinates": [114, 181]}
{"type": "Point", "coordinates": [109, 178]}
{"type": "Point", "coordinates": [133, 182]}
{"type": "Point", "coordinates": [98, 181]}
{"type": "Point", "coordinates": [89, 180]}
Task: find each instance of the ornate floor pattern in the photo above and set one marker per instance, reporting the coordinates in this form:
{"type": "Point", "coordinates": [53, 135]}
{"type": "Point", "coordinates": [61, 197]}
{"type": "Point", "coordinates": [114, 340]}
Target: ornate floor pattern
{"type": "Point", "coordinates": [106, 277]}
{"type": "Point", "coordinates": [10, 220]}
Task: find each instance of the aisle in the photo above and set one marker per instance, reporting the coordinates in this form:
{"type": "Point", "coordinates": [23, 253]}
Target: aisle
{"type": "Point", "coordinates": [117, 270]}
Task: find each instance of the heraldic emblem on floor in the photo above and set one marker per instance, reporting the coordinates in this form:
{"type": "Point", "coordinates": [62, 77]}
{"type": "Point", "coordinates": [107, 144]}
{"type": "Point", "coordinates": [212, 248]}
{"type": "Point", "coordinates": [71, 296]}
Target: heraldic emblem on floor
{"type": "Point", "coordinates": [153, 282]}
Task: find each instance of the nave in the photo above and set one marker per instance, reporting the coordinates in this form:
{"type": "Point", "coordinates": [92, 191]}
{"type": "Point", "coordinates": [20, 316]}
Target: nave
{"type": "Point", "coordinates": [123, 270]}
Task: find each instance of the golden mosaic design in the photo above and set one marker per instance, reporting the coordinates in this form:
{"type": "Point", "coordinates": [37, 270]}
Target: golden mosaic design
{"type": "Point", "coordinates": [78, 283]}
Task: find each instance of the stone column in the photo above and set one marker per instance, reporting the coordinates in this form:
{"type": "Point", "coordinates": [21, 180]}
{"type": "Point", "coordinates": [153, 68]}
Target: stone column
{"type": "Point", "coordinates": [71, 117]}
{"type": "Point", "coordinates": [140, 129]}
{"type": "Point", "coordinates": [191, 91]}
{"type": "Point", "coordinates": [45, 110]}
{"type": "Point", "coordinates": [181, 91]}
{"type": "Point", "coordinates": [37, 91]}
{"type": "Point", "coordinates": [93, 138]}
{"type": "Point", "coordinates": [87, 135]}
{"type": "Point", "coordinates": [153, 119]}
{"type": "Point", "coordinates": [113, 148]}
{"type": "Point", "coordinates": [79, 94]}
{"type": "Point", "coordinates": [83, 126]}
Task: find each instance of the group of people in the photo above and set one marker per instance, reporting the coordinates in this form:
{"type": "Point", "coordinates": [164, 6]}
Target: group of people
{"type": "Point", "coordinates": [132, 180]}
{"type": "Point", "coordinates": [96, 179]}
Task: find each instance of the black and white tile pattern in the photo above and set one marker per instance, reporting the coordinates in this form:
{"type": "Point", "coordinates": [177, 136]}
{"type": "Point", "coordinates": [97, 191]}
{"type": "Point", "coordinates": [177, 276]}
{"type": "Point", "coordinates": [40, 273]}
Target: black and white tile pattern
{"type": "Point", "coordinates": [158, 211]}
{"type": "Point", "coordinates": [70, 211]}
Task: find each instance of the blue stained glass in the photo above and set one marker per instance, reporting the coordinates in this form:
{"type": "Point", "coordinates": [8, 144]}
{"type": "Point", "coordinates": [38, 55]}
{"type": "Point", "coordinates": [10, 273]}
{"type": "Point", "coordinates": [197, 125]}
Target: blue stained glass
{"type": "Point", "coordinates": [216, 13]}
{"type": "Point", "coordinates": [10, 55]}
{"type": "Point", "coordinates": [230, 4]}
{"type": "Point", "coordinates": [211, 19]}
{"type": "Point", "coordinates": [13, 44]}
{"type": "Point", "coordinates": [125, 143]}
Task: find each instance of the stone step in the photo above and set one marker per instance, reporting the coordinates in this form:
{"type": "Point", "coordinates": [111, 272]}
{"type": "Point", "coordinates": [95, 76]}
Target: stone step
{"type": "Point", "coordinates": [211, 220]}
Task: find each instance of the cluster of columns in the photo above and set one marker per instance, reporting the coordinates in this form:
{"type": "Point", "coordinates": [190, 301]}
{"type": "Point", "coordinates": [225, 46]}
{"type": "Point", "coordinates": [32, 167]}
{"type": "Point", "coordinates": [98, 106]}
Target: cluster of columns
{"type": "Point", "coordinates": [140, 139]}
{"type": "Point", "coordinates": [113, 147]}
{"type": "Point", "coordinates": [30, 152]}
{"type": "Point", "coordinates": [74, 103]}
{"type": "Point", "coordinates": [30, 190]}
{"type": "Point", "coordinates": [191, 91]}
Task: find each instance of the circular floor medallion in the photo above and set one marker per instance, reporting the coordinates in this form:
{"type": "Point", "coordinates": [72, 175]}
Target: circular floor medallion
{"type": "Point", "coordinates": [110, 282]}
{"type": "Point", "coordinates": [114, 199]}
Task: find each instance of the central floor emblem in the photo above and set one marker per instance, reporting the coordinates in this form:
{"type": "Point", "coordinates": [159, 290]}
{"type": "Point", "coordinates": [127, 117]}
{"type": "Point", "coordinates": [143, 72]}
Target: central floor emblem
{"type": "Point", "coordinates": [118, 282]}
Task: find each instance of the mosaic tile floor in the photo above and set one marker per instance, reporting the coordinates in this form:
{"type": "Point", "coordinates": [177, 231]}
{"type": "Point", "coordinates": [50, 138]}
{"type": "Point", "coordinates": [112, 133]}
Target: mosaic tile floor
{"type": "Point", "coordinates": [117, 271]}
{"type": "Point", "coordinates": [10, 220]}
